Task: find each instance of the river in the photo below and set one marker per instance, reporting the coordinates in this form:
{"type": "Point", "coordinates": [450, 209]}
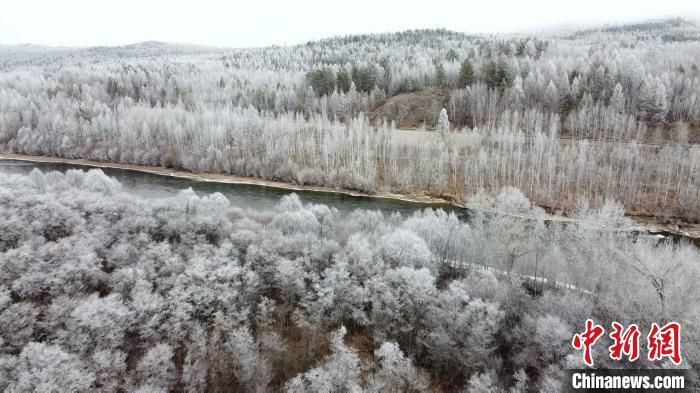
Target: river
{"type": "Point", "coordinates": [258, 197]}
{"type": "Point", "coordinates": [252, 196]}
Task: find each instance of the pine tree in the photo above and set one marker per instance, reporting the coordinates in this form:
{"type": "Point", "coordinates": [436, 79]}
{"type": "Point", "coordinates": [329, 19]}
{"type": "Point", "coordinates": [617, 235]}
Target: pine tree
{"type": "Point", "coordinates": [439, 75]}
{"type": "Point", "coordinates": [617, 100]}
{"type": "Point", "coordinates": [342, 80]}
{"type": "Point", "coordinates": [466, 73]}
{"type": "Point", "coordinates": [451, 55]}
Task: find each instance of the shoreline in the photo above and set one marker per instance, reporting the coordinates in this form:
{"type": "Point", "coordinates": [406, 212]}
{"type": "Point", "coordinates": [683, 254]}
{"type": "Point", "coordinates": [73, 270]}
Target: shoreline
{"type": "Point", "coordinates": [225, 179]}
{"type": "Point", "coordinates": [638, 223]}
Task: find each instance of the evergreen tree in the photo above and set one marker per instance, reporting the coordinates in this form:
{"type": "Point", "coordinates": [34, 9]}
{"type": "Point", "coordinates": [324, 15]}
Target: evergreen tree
{"type": "Point", "coordinates": [466, 73]}
{"type": "Point", "coordinates": [451, 55]}
{"type": "Point", "coordinates": [617, 100]}
{"type": "Point", "coordinates": [440, 75]}
{"type": "Point", "coordinates": [322, 80]}
{"type": "Point", "coordinates": [496, 73]}
{"type": "Point", "coordinates": [342, 80]}
{"type": "Point", "coordinates": [364, 78]}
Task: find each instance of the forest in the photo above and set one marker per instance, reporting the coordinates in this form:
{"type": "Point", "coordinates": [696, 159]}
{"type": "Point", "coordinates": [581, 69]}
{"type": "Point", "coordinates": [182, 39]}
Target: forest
{"type": "Point", "coordinates": [553, 142]}
{"type": "Point", "coordinates": [103, 291]}
{"type": "Point", "coordinates": [567, 118]}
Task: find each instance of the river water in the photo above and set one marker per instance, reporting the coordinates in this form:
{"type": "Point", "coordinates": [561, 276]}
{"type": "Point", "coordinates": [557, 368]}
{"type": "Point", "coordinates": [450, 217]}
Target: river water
{"type": "Point", "coordinates": [247, 196]}
{"type": "Point", "coordinates": [251, 196]}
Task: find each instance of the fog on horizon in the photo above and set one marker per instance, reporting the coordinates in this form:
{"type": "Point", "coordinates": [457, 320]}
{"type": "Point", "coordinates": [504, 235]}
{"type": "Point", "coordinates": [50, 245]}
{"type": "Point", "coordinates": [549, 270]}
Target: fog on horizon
{"type": "Point", "coordinates": [268, 22]}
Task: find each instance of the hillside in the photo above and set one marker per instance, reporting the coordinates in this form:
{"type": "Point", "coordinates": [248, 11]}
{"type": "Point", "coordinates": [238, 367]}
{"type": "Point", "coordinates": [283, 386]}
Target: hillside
{"type": "Point", "coordinates": [674, 29]}
{"type": "Point", "coordinates": [12, 57]}
{"type": "Point", "coordinates": [321, 113]}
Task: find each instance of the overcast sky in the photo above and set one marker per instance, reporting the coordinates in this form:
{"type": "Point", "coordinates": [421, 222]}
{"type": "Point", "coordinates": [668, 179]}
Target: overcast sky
{"type": "Point", "coordinates": [265, 22]}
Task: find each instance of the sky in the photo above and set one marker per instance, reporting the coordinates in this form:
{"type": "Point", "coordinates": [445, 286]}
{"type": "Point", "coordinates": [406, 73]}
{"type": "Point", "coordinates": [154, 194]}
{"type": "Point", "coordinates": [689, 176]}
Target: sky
{"type": "Point", "coordinates": [254, 23]}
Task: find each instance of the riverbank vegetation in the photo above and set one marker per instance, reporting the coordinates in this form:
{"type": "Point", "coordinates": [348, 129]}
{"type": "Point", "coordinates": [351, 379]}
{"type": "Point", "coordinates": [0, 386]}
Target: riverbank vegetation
{"type": "Point", "coordinates": [569, 119]}
{"type": "Point", "coordinates": [103, 291]}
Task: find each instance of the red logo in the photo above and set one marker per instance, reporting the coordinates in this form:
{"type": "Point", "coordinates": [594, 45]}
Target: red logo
{"type": "Point", "coordinates": [665, 342]}
{"type": "Point", "coordinates": [662, 342]}
{"type": "Point", "coordinates": [586, 340]}
{"type": "Point", "coordinates": [626, 343]}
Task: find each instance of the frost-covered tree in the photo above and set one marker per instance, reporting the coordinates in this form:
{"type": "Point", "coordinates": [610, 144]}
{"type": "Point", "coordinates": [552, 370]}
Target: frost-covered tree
{"type": "Point", "coordinates": [42, 367]}
{"type": "Point", "coordinates": [340, 371]}
{"type": "Point", "coordinates": [104, 291]}
{"type": "Point", "coordinates": [156, 370]}
{"type": "Point", "coordinates": [443, 124]}
{"type": "Point", "coordinates": [396, 373]}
